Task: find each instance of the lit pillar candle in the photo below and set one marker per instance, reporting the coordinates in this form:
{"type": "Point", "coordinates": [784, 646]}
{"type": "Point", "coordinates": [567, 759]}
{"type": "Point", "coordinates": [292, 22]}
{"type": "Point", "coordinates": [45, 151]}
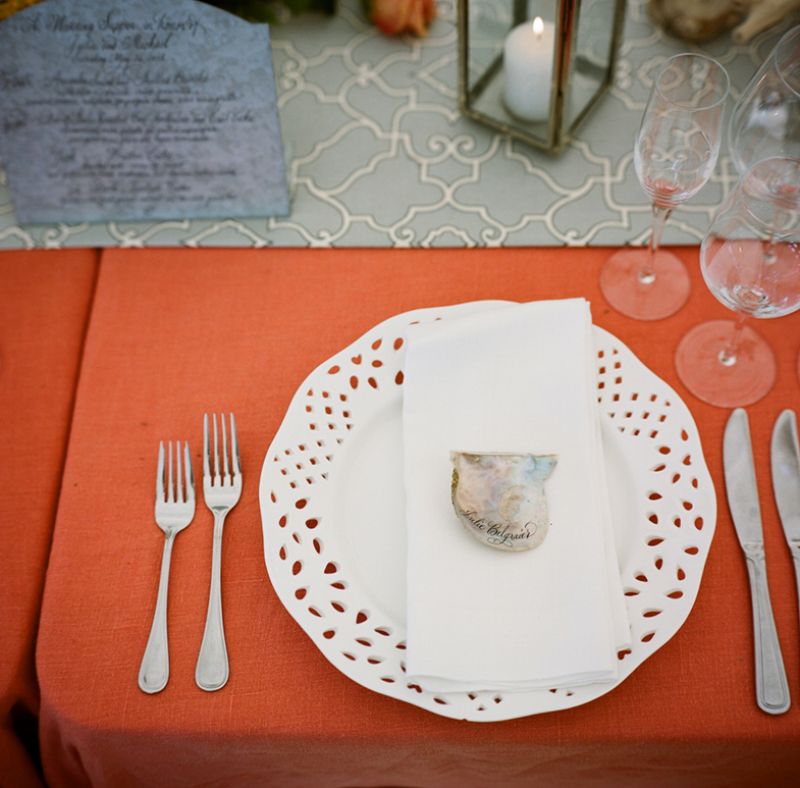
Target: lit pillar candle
{"type": "Point", "coordinates": [528, 61]}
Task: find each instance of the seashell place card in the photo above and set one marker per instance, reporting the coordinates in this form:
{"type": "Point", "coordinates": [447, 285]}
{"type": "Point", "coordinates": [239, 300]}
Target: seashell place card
{"type": "Point", "coordinates": [500, 498]}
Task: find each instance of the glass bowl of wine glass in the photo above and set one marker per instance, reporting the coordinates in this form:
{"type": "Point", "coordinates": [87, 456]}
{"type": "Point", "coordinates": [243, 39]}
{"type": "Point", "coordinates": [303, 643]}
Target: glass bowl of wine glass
{"type": "Point", "coordinates": [750, 261]}
{"type": "Point", "coordinates": [766, 119]}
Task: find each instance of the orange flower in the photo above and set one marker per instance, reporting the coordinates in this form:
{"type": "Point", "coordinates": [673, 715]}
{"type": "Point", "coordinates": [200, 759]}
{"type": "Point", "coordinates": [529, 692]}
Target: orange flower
{"type": "Point", "coordinates": [399, 16]}
{"type": "Point", "coordinates": [8, 7]}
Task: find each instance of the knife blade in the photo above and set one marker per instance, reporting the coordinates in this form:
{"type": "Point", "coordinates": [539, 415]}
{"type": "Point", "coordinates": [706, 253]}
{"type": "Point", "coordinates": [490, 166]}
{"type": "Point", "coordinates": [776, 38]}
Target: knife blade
{"type": "Point", "coordinates": [772, 688]}
{"type": "Point", "coordinates": [786, 482]}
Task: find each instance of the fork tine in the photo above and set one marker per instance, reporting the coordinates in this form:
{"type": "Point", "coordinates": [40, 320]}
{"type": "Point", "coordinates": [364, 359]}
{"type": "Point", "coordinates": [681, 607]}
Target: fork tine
{"type": "Point", "coordinates": [187, 473]}
{"type": "Point", "coordinates": [160, 473]}
{"type": "Point", "coordinates": [216, 448]}
{"type": "Point", "coordinates": [225, 463]}
{"type": "Point", "coordinates": [170, 479]}
{"type": "Point", "coordinates": [176, 472]}
{"type": "Point", "coordinates": [206, 469]}
{"type": "Point", "coordinates": [234, 448]}
{"type": "Point", "coordinates": [180, 492]}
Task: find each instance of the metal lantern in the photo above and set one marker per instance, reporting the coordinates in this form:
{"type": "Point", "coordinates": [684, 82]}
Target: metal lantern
{"type": "Point", "coordinates": [535, 68]}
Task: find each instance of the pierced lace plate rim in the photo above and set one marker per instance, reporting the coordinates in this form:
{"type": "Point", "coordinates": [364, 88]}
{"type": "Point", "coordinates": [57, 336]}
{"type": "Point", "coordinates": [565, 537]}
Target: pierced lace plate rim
{"type": "Point", "coordinates": [356, 633]}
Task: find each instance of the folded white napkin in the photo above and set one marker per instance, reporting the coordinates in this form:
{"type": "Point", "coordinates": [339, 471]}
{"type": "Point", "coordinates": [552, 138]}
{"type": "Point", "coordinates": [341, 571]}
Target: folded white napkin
{"type": "Point", "coordinates": [509, 379]}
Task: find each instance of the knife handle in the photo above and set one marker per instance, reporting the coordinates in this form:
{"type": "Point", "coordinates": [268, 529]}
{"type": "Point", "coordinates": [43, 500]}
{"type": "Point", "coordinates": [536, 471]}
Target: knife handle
{"type": "Point", "coordinates": [772, 689]}
{"type": "Point", "coordinates": [795, 548]}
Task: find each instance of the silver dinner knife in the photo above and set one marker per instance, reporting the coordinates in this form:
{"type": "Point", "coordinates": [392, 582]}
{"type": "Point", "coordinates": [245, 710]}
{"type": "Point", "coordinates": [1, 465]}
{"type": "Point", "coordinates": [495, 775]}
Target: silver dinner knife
{"type": "Point", "coordinates": [772, 689]}
{"type": "Point", "coordinates": [786, 482]}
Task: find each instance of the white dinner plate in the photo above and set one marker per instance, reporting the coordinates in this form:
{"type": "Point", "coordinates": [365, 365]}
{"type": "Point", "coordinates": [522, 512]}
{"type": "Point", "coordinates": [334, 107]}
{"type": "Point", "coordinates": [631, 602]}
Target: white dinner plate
{"type": "Point", "coordinates": [332, 511]}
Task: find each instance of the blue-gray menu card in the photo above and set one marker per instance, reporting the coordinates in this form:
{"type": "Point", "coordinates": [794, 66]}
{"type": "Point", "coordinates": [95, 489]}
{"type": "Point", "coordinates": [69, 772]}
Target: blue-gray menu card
{"type": "Point", "coordinates": [138, 110]}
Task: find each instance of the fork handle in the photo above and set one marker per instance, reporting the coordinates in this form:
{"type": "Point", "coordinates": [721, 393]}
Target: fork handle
{"type": "Point", "coordinates": [211, 672]}
{"type": "Point", "coordinates": [154, 670]}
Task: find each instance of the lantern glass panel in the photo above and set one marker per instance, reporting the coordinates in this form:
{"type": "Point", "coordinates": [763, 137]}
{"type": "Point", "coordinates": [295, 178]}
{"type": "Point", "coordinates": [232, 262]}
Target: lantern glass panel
{"type": "Point", "coordinates": [592, 59]}
{"type": "Point", "coordinates": [534, 68]}
{"type": "Point", "coordinates": [510, 65]}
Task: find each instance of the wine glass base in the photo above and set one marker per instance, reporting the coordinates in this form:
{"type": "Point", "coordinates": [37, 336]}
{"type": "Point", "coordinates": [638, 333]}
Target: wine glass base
{"type": "Point", "coordinates": [658, 298]}
{"type": "Point", "coordinates": [700, 369]}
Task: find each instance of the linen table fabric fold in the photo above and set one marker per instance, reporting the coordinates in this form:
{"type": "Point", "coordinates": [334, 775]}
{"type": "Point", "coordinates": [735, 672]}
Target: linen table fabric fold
{"type": "Point", "coordinates": [46, 301]}
{"type": "Point", "coordinates": [510, 379]}
{"type": "Point", "coordinates": [154, 359]}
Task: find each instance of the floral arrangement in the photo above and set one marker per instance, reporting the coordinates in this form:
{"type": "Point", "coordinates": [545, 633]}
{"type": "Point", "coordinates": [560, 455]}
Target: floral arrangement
{"type": "Point", "coordinates": [8, 7]}
{"type": "Point", "coordinates": [394, 17]}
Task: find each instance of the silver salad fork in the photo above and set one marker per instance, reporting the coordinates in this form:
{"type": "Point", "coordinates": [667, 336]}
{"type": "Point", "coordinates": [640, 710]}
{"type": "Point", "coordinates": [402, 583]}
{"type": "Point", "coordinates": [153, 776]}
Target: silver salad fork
{"type": "Point", "coordinates": [222, 486]}
{"type": "Point", "coordinates": [174, 511]}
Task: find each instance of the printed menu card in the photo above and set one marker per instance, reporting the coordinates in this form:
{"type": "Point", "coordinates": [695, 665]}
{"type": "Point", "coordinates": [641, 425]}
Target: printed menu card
{"type": "Point", "coordinates": [138, 110]}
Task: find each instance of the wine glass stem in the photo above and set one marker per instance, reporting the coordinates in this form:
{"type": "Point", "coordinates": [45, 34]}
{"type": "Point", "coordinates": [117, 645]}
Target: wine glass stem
{"type": "Point", "coordinates": [647, 273]}
{"type": "Point", "coordinates": [769, 251]}
{"type": "Point", "coordinates": [727, 356]}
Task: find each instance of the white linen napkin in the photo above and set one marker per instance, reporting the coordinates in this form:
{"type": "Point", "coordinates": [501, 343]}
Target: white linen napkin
{"type": "Point", "coordinates": [515, 379]}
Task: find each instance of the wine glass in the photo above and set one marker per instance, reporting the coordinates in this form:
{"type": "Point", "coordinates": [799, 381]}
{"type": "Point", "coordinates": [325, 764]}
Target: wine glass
{"type": "Point", "coordinates": [750, 260]}
{"type": "Point", "coordinates": [675, 152]}
{"type": "Point", "coordinates": [766, 119]}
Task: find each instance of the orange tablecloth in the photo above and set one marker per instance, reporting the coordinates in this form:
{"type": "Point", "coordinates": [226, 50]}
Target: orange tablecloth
{"type": "Point", "coordinates": [46, 300]}
{"type": "Point", "coordinates": [177, 333]}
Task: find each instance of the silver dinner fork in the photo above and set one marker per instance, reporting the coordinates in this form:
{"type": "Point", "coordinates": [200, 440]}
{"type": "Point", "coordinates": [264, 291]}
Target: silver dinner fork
{"type": "Point", "coordinates": [222, 486]}
{"type": "Point", "coordinates": [174, 511]}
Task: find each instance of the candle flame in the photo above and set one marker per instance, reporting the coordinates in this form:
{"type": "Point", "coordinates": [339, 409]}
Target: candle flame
{"type": "Point", "coordinates": [538, 27]}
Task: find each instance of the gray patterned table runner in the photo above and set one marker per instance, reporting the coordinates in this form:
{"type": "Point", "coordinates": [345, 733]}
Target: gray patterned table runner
{"type": "Point", "coordinates": [379, 154]}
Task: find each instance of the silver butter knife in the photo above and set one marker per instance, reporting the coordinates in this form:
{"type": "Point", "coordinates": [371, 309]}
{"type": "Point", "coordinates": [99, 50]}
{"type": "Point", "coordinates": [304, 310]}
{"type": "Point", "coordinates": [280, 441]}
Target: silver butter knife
{"type": "Point", "coordinates": [786, 482]}
{"type": "Point", "coordinates": [772, 689]}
